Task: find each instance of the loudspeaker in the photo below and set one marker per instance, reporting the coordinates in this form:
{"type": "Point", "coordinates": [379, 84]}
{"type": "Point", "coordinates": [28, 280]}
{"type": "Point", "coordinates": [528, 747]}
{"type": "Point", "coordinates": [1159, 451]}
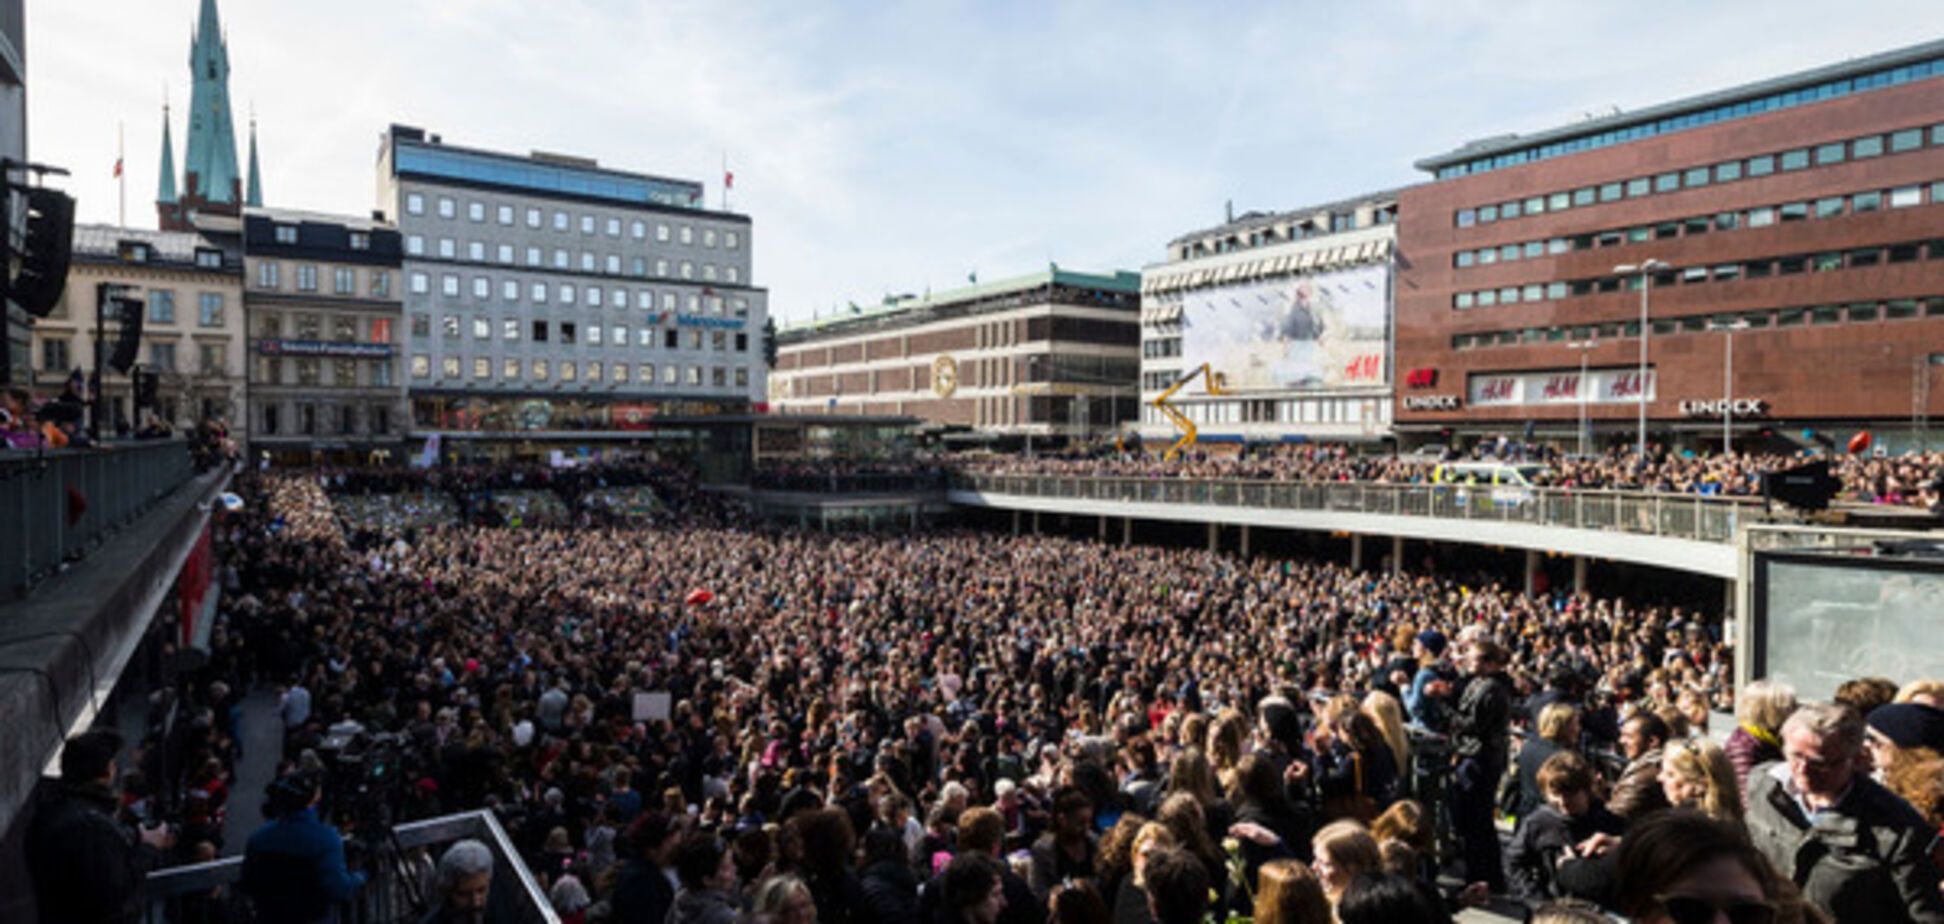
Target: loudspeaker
{"type": "Point", "coordinates": [128, 343]}
{"type": "Point", "coordinates": [1807, 487]}
{"type": "Point", "coordinates": [45, 251]}
{"type": "Point", "coordinates": [147, 383]}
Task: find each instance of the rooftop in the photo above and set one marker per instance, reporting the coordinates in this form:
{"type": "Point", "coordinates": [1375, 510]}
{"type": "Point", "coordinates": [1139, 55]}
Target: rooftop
{"type": "Point", "coordinates": [1890, 68]}
{"type": "Point", "coordinates": [894, 305]}
{"type": "Point", "coordinates": [418, 153]}
{"type": "Point", "coordinates": [1252, 221]}
{"type": "Point", "coordinates": [103, 242]}
{"type": "Point", "coordinates": [352, 222]}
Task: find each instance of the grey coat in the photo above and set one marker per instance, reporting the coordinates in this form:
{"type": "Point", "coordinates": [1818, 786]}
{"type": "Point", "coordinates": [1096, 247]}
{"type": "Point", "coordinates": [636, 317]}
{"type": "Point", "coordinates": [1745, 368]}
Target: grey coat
{"type": "Point", "coordinates": [1866, 859]}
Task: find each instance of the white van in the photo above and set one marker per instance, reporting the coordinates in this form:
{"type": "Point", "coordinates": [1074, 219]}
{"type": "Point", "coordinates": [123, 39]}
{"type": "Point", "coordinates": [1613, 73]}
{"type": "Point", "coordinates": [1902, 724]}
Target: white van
{"type": "Point", "coordinates": [1509, 485]}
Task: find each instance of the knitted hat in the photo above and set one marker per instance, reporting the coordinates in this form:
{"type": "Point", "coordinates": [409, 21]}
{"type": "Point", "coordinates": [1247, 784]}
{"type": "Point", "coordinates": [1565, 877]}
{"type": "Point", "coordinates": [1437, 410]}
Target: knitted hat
{"type": "Point", "coordinates": [1433, 641]}
{"type": "Point", "coordinates": [1910, 725]}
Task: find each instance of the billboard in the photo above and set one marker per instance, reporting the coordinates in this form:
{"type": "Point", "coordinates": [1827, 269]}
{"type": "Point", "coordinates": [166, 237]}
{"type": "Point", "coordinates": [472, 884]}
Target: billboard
{"type": "Point", "coordinates": [1328, 330]}
{"type": "Point", "coordinates": [1601, 386]}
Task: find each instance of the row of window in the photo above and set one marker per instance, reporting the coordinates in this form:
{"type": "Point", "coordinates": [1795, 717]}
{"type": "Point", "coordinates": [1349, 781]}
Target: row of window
{"type": "Point", "coordinates": [590, 225]}
{"type": "Point", "coordinates": [307, 326]}
{"type": "Point", "coordinates": [513, 369]}
{"type": "Point", "coordinates": [1834, 152]}
{"type": "Point", "coordinates": [211, 358]}
{"type": "Point", "coordinates": [1826, 207]}
{"type": "Point", "coordinates": [569, 333]}
{"type": "Point", "coordinates": [1725, 112]}
{"type": "Point", "coordinates": [1297, 230]}
{"type": "Point", "coordinates": [1827, 261]}
{"type": "Point", "coordinates": [1277, 411]}
{"type": "Point", "coordinates": [446, 248]}
{"type": "Point", "coordinates": [162, 307]}
{"type": "Point", "coordinates": [308, 371]}
{"type": "Point", "coordinates": [287, 234]}
{"type": "Point", "coordinates": [313, 419]}
{"type": "Point", "coordinates": [451, 285]}
{"type": "Point", "coordinates": [304, 278]}
{"type": "Point", "coordinates": [1898, 309]}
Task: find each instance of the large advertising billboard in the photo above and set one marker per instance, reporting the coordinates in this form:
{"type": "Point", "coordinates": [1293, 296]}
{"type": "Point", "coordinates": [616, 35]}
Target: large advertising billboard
{"type": "Point", "coordinates": [1322, 331]}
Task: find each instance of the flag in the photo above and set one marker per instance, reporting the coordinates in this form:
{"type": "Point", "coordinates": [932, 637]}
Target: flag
{"type": "Point", "coordinates": [728, 179]}
{"type": "Point", "coordinates": [695, 196]}
{"type": "Point", "coordinates": [972, 277]}
{"type": "Point", "coordinates": [118, 168]}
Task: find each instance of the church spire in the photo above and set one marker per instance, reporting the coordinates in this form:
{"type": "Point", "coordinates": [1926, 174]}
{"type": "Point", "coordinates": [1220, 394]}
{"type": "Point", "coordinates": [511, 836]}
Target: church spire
{"type": "Point", "coordinates": [210, 180]}
{"type": "Point", "coordinates": [254, 197]}
{"type": "Point", "coordinates": [165, 192]}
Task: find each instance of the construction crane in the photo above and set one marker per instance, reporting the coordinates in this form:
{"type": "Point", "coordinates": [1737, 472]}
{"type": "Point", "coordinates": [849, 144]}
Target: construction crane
{"type": "Point", "coordinates": [1212, 381]}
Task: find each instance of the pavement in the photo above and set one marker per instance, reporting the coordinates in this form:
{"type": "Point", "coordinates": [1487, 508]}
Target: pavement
{"type": "Point", "coordinates": [261, 731]}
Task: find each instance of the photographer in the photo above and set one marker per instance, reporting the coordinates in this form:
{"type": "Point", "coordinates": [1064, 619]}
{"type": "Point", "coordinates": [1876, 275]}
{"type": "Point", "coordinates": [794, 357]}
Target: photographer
{"type": "Point", "coordinates": [293, 868]}
{"type": "Point", "coordinates": [86, 866]}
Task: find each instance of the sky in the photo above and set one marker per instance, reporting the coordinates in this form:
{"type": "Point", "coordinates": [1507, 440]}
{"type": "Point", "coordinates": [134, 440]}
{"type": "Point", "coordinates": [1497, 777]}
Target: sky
{"type": "Point", "coordinates": [897, 147]}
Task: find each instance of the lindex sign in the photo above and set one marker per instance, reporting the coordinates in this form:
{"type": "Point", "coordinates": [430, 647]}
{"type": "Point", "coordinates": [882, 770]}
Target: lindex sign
{"type": "Point", "coordinates": [1740, 407]}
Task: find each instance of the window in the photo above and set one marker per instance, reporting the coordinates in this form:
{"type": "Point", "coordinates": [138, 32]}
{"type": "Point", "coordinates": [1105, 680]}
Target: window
{"type": "Point", "coordinates": [671, 374]}
{"type": "Point", "coordinates": [421, 284]}
{"type": "Point", "coordinates": [162, 356]}
{"type": "Point", "coordinates": [1700, 225]}
{"type": "Point", "coordinates": [504, 254]}
{"type": "Point", "coordinates": [1582, 197]}
{"type": "Point", "coordinates": [1726, 172]}
{"type": "Point", "coordinates": [380, 284]}
{"type": "Point", "coordinates": [1826, 262]}
{"type": "Point", "coordinates": [449, 326]}
{"type": "Point", "coordinates": [267, 273]}
{"type": "Point", "coordinates": [1488, 214]}
{"type": "Point", "coordinates": [560, 221]}
{"type": "Point", "coordinates": [661, 267]}
{"type": "Point", "coordinates": [1867, 147]}
{"type": "Point", "coordinates": [1667, 182]}
{"type": "Point", "coordinates": [661, 233]}
{"type": "Point", "coordinates": [505, 215]}
{"type": "Point", "coordinates": [1637, 187]}
{"type": "Point", "coordinates": [619, 373]}
{"type": "Point", "coordinates": [209, 259]}
{"type": "Point", "coordinates": [449, 367]}
{"type": "Point", "coordinates": [645, 337]}
{"type": "Point", "coordinates": [510, 330]}
{"type": "Point", "coordinates": [1761, 166]}
{"type": "Point", "coordinates": [309, 327]}
{"type": "Point", "coordinates": [209, 309]}
{"type": "Point", "coordinates": [1726, 221]}
{"type": "Point", "coordinates": [1910, 139]}
{"type": "Point", "coordinates": [421, 366]}
{"type": "Point", "coordinates": [1610, 192]}
{"type": "Point", "coordinates": [476, 251]}
{"type": "Point", "coordinates": [731, 240]}
{"type": "Point", "coordinates": [1463, 258]}
{"type": "Point", "coordinates": [482, 367]}
{"type": "Point", "coordinates": [449, 285]}
{"type": "Point", "coordinates": [567, 370]}
{"type": "Point", "coordinates": [1789, 266]}
{"type": "Point", "coordinates": [510, 369]}
{"type": "Point", "coordinates": [344, 281]}
{"type": "Point", "coordinates": [613, 264]}
{"type": "Point", "coordinates": [1794, 160]}
{"type": "Point", "coordinates": [638, 230]}
{"type": "Point", "coordinates": [688, 234]}
{"type": "Point", "coordinates": [594, 371]}
{"type": "Point", "coordinates": [1870, 256]}
{"type": "Point", "coordinates": [539, 332]}
{"type": "Point", "coordinates": [448, 208]}
{"type": "Point", "coordinates": [561, 259]}
{"type": "Point", "coordinates": [587, 224]}
{"type": "Point", "coordinates": [1694, 177]}
{"type": "Point", "coordinates": [306, 277]}
{"type": "Point", "coordinates": [567, 332]}
{"type": "Point", "coordinates": [645, 373]}
{"type": "Point", "coordinates": [1829, 207]}
{"type": "Point", "coordinates": [567, 293]}
{"type": "Point", "coordinates": [1829, 154]}
{"type": "Point", "coordinates": [1866, 202]}
{"type": "Point", "coordinates": [509, 290]}
{"type": "Point", "coordinates": [482, 288]}
{"type": "Point", "coordinates": [421, 325]}
{"type": "Point", "coordinates": [587, 262]}
{"type": "Point", "coordinates": [54, 356]}
{"type": "Point", "coordinates": [476, 211]}
{"type": "Point", "coordinates": [1825, 314]}
{"type": "Point", "coordinates": [1535, 249]}
{"type": "Point", "coordinates": [1794, 211]}
{"type": "Point", "coordinates": [415, 245]}
{"type": "Point", "coordinates": [482, 329]}
{"type": "Point", "coordinates": [1905, 197]}
{"type": "Point", "coordinates": [1761, 218]}
{"type": "Point", "coordinates": [533, 218]}
{"type": "Point", "coordinates": [1488, 256]}
{"type": "Point", "coordinates": [594, 335]}
{"type": "Point", "coordinates": [540, 370]}
{"type": "Point", "coordinates": [448, 249]}
{"type": "Point", "coordinates": [614, 227]}
{"type": "Point", "coordinates": [414, 204]}
{"type": "Point", "coordinates": [1507, 210]}
{"type": "Point", "coordinates": [688, 269]}
{"type": "Point", "coordinates": [695, 376]}
{"type": "Point", "coordinates": [534, 257]}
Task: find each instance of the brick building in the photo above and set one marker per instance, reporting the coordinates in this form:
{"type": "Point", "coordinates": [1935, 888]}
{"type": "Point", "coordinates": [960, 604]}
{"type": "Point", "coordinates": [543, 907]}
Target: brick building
{"type": "Point", "coordinates": [1799, 216]}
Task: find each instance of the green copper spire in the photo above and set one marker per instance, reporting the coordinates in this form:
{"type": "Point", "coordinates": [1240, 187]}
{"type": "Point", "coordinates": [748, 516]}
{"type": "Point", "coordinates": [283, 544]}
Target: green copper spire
{"type": "Point", "coordinates": [209, 171]}
{"type": "Point", "coordinates": [165, 193]}
{"type": "Point", "coordinates": [254, 197]}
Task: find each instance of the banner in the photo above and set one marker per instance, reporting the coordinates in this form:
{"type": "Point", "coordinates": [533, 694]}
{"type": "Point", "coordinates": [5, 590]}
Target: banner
{"type": "Point", "coordinates": [196, 593]}
{"type": "Point", "coordinates": [1323, 331]}
{"type": "Point", "coordinates": [1600, 386]}
{"type": "Point", "coordinates": [430, 457]}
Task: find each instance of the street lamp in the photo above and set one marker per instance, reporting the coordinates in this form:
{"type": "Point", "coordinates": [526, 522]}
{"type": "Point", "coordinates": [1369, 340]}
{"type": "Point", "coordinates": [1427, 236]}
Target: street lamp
{"type": "Point", "coordinates": [1584, 425]}
{"type": "Point", "coordinates": [1646, 269]}
{"type": "Point", "coordinates": [1728, 378]}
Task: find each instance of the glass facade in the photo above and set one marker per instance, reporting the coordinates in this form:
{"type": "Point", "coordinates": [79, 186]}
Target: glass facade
{"type": "Point", "coordinates": [545, 179]}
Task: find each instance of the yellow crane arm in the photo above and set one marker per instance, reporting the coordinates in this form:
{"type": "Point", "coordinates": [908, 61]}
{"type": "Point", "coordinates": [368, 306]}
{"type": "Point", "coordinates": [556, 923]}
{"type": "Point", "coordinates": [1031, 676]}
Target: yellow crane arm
{"type": "Point", "coordinates": [1211, 381]}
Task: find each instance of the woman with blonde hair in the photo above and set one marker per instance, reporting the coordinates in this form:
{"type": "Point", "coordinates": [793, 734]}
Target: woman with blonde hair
{"type": "Point", "coordinates": [1343, 850]}
{"type": "Point", "coordinates": [1388, 715]}
{"type": "Point", "coordinates": [1696, 773]}
{"type": "Point", "coordinates": [1288, 892]}
{"type": "Point", "coordinates": [1227, 736]}
{"type": "Point", "coordinates": [1759, 714]}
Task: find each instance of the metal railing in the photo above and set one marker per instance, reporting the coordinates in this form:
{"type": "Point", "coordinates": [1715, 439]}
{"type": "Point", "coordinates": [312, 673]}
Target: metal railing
{"type": "Point", "coordinates": [1675, 516]}
{"type": "Point", "coordinates": [58, 505]}
{"type": "Point", "coordinates": [398, 890]}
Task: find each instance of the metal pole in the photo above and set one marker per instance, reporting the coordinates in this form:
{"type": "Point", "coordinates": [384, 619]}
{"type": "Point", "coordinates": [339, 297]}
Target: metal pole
{"type": "Point", "coordinates": [1646, 283]}
{"type": "Point", "coordinates": [1582, 402]}
{"type": "Point", "coordinates": [102, 294]}
{"type": "Point", "coordinates": [1728, 393]}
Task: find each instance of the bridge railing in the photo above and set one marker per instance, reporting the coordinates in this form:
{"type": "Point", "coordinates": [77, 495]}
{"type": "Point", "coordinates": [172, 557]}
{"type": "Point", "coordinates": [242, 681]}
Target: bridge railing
{"type": "Point", "coordinates": [1678, 516]}
{"type": "Point", "coordinates": [63, 503]}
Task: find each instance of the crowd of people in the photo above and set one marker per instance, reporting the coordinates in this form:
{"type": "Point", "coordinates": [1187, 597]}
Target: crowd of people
{"type": "Point", "coordinates": [956, 727]}
{"type": "Point", "coordinates": [1912, 479]}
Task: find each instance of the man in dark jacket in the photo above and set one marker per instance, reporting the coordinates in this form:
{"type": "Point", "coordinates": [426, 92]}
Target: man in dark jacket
{"type": "Point", "coordinates": [1546, 838]}
{"type": "Point", "coordinates": [1857, 851]}
{"type": "Point", "coordinates": [293, 866]}
{"type": "Point", "coordinates": [890, 888]}
{"type": "Point", "coordinates": [1638, 791]}
{"type": "Point", "coordinates": [643, 892]}
{"type": "Point", "coordinates": [982, 831]}
{"type": "Point", "coordinates": [86, 866]}
{"type": "Point", "coordinates": [1480, 737]}
{"type": "Point", "coordinates": [1067, 850]}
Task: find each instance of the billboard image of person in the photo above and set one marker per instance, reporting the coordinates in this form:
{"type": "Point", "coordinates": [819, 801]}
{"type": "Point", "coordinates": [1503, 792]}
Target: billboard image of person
{"type": "Point", "coordinates": [1317, 331]}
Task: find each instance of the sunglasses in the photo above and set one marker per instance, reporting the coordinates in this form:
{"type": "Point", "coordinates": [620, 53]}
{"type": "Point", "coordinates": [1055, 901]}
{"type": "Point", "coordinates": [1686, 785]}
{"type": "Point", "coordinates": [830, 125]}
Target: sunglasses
{"type": "Point", "coordinates": [1689, 909]}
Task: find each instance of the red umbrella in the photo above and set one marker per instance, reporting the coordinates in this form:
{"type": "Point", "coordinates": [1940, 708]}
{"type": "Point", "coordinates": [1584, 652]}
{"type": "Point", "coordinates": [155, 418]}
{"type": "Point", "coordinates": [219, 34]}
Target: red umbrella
{"type": "Point", "coordinates": [1860, 442]}
{"type": "Point", "coordinates": [700, 596]}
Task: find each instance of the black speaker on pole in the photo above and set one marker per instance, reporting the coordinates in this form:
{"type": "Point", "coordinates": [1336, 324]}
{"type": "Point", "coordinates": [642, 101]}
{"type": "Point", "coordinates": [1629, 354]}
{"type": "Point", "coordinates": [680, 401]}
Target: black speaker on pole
{"type": "Point", "coordinates": [127, 343]}
{"type": "Point", "coordinates": [147, 383]}
{"type": "Point", "coordinates": [45, 251]}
